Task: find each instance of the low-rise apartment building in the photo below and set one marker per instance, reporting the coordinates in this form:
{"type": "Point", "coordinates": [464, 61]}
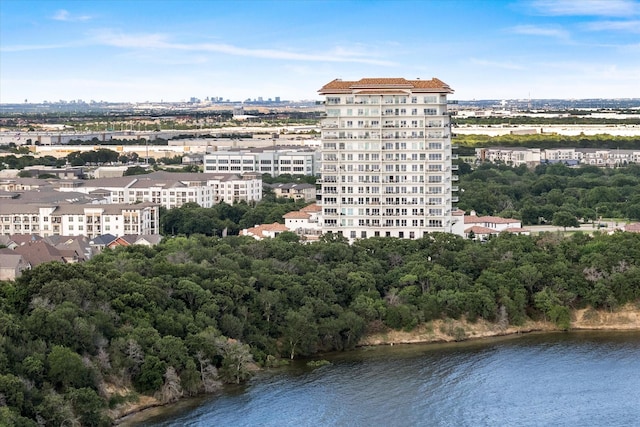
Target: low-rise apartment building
{"type": "Point", "coordinates": [172, 190]}
{"type": "Point", "coordinates": [70, 219]}
{"type": "Point", "coordinates": [510, 156]}
{"type": "Point", "coordinates": [517, 156]}
{"type": "Point", "coordinates": [294, 191]}
{"type": "Point", "coordinates": [275, 162]}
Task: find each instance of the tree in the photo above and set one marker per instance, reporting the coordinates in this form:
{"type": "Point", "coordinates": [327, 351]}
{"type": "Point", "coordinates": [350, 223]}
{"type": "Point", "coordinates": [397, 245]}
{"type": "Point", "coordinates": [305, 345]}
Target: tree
{"type": "Point", "coordinates": [88, 406]}
{"type": "Point", "coordinates": [66, 368]}
{"type": "Point", "coordinates": [171, 389]}
{"type": "Point", "coordinates": [300, 332]}
{"type": "Point", "coordinates": [208, 374]}
{"type": "Point", "coordinates": [151, 375]}
{"type": "Point", "coordinates": [565, 219]}
{"type": "Point", "coordinates": [236, 360]}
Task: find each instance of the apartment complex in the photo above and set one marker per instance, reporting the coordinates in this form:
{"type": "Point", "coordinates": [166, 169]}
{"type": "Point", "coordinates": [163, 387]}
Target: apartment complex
{"type": "Point", "coordinates": [386, 158]}
{"type": "Point", "coordinates": [172, 189]}
{"type": "Point", "coordinates": [275, 162]}
{"type": "Point", "coordinates": [70, 219]}
{"type": "Point", "coordinates": [516, 156]}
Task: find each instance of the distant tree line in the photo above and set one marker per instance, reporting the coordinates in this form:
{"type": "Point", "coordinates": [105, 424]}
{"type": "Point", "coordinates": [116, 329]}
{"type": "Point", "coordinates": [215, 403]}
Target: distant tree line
{"type": "Point", "coordinates": [547, 141]}
{"type": "Point", "coordinates": [537, 195]}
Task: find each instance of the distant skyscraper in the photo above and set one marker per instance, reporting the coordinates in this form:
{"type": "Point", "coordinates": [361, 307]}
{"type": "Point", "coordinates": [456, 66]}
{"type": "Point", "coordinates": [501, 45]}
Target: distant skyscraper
{"type": "Point", "coordinates": [386, 158]}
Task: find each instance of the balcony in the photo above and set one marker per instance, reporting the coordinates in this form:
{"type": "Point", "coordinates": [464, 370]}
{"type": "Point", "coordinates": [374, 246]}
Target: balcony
{"type": "Point", "coordinates": [455, 188]}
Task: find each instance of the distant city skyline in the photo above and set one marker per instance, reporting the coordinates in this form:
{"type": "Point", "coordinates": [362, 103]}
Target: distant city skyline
{"type": "Point", "coordinates": [139, 51]}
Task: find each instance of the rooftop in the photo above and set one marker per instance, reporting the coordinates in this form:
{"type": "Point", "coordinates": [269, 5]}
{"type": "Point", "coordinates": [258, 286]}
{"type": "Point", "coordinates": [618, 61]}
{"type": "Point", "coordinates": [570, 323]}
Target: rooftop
{"type": "Point", "coordinates": [343, 86]}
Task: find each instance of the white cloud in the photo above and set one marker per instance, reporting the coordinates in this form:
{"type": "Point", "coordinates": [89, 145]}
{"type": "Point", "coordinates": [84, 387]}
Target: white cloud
{"type": "Point", "coordinates": [64, 15]}
{"type": "Point", "coordinates": [160, 41]}
{"type": "Point", "coordinates": [534, 30]}
{"type": "Point", "coordinates": [496, 64]}
{"type": "Point", "coordinates": [623, 8]}
{"type": "Point", "coordinates": [628, 26]}
{"type": "Point", "coordinates": [26, 47]}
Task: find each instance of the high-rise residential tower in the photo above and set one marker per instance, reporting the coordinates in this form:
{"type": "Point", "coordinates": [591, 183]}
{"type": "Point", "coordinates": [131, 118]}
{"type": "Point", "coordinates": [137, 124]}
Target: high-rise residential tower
{"type": "Point", "coordinates": [386, 158]}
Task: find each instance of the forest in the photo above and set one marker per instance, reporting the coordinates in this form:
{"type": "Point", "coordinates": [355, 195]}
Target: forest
{"type": "Point", "coordinates": [196, 312]}
{"type": "Point", "coordinates": [537, 195]}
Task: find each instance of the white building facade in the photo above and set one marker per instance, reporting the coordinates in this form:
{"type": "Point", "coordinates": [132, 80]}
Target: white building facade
{"type": "Point", "coordinates": [386, 158]}
{"type": "Point", "coordinates": [172, 190]}
{"type": "Point", "coordinates": [79, 219]}
{"type": "Point", "coordinates": [273, 162]}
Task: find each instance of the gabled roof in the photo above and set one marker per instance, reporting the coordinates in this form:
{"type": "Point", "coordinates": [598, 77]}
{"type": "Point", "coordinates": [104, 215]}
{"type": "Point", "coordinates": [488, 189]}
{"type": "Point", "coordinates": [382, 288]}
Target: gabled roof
{"type": "Point", "coordinates": [259, 230]}
{"type": "Point", "coordinates": [296, 215]}
{"type": "Point", "coordinates": [152, 239]}
{"type": "Point", "coordinates": [476, 229]}
{"type": "Point", "coordinates": [102, 240]}
{"type": "Point", "coordinates": [633, 228]}
{"type": "Point", "coordinates": [21, 239]}
{"type": "Point", "coordinates": [78, 244]}
{"type": "Point", "coordinates": [125, 240]}
{"type": "Point", "coordinates": [39, 252]}
{"type": "Point", "coordinates": [10, 259]}
{"type": "Point", "coordinates": [312, 208]}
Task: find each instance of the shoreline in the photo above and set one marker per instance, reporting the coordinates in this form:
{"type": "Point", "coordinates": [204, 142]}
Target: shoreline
{"type": "Point", "coordinates": [439, 331]}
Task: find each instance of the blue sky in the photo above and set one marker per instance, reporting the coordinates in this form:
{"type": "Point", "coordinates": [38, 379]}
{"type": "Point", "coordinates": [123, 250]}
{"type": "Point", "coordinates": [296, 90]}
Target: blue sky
{"type": "Point", "coordinates": [144, 50]}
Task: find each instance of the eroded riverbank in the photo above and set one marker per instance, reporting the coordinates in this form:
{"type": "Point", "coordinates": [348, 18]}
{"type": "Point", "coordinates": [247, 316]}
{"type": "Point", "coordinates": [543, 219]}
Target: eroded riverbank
{"type": "Point", "coordinates": [624, 319]}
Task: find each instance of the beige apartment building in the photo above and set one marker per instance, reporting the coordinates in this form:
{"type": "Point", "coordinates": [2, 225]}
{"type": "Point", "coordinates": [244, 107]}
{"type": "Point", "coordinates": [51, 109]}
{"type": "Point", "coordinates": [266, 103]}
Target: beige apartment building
{"type": "Point", "coordinates": [70, 219]}
{"type": "Point", "coordinates": [386, 158]}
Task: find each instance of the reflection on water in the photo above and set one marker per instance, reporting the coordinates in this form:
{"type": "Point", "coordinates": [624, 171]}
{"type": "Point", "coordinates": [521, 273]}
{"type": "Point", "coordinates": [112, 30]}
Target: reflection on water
{"type": "Point", "coordinates": [564, 379]}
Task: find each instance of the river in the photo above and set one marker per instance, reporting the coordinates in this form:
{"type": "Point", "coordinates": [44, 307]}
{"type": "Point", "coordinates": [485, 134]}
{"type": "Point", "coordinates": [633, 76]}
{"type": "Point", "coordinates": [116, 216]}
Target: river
{"type": "Point", "coordinates": [559, 379]}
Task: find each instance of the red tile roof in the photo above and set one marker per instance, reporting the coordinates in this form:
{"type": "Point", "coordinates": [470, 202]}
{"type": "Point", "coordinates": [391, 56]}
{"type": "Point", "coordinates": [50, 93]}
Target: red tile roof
{"type": "Point", "coordinates": [313, 207]}
{"type": "Point", "coordinates": [296, 215]}
{"type": "Point", "coordinates": [260, 229]}
{"type": "Point", "coordinates": [633, 228]}
{"type": "Point", "coordinates": [480, 230]}
{"type": "Point", "coordinates": [340, 86]}
{"type": "Point", "coordinates": [472, 219]}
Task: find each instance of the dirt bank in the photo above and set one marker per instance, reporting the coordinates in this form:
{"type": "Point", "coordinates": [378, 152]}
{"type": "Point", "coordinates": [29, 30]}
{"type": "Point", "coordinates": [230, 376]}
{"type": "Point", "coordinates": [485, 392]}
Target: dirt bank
{"type": "Point", "coordinates": [625, 318]}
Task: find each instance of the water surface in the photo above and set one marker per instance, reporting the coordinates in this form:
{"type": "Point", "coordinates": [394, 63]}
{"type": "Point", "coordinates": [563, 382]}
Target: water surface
{"type": "Point", "coordinates": [563, 379]}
